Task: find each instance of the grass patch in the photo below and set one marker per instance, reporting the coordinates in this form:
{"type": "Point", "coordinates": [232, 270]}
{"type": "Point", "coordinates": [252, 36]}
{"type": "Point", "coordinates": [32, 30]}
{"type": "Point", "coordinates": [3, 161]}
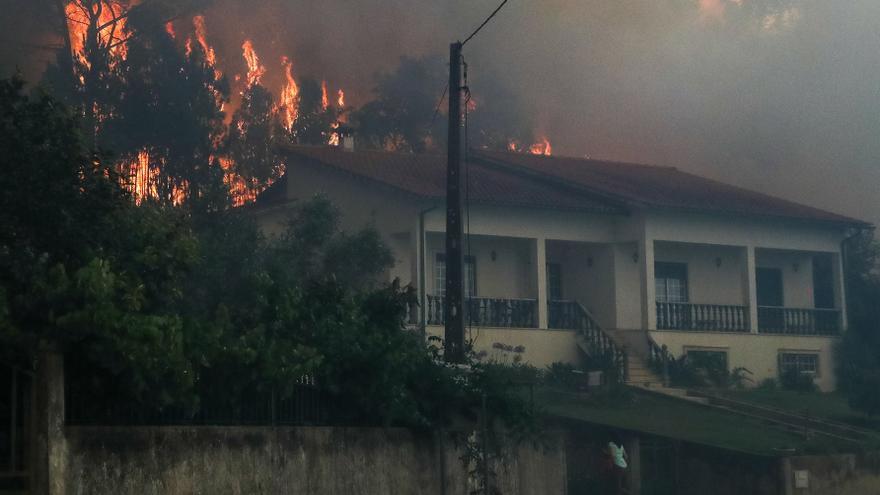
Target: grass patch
{"type": "Point", "coordinates": [673, 418]}
{"type": "Point", "coordinates": [833, 406]}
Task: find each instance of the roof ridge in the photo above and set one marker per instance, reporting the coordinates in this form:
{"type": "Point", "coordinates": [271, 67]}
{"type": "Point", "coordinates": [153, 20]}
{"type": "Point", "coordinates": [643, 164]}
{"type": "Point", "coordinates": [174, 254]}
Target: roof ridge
{"type": "Point", "coordinates": [578, 159]}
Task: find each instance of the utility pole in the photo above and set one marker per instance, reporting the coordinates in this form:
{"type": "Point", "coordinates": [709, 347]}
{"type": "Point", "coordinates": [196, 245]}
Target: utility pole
{"type": "Point", "coordinates": [453, 304]}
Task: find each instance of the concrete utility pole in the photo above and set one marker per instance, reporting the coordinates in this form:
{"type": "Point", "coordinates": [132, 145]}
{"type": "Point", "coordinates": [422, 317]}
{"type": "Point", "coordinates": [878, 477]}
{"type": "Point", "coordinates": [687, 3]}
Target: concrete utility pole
{"type": "Point", "coordinates": [453, 304]}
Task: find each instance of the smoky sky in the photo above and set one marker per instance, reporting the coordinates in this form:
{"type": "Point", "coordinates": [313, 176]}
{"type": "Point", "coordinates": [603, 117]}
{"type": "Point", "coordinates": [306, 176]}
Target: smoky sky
{"type": "Point", "coordinates": [781, 96]}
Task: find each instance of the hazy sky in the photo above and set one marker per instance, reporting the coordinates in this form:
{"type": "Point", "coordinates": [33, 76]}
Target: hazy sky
{"type": "Point", "coordinates": [782, 96]}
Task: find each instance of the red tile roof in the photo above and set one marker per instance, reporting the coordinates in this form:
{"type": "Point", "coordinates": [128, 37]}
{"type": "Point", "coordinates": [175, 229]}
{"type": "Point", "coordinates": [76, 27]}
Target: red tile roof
{"type": "Point", "coordinates": [424, 175]}
{"type": "Point", "coordinates": [518, 179]}
{"type": "Point", "coordinates": [658, 187]}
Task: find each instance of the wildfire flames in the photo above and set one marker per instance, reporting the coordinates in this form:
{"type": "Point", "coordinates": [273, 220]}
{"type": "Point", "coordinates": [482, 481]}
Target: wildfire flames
{"type": "Point", "coordinates": [201, 37]}
{"type": "Point", "coordinates": [143, 180]}
{"type": "Point", "coordinates": [107, 18]}
{"type": "Point", "coordinates": [108, 21]}
{"type": "Point", "coordinates": [255, 70]}
{"type": "Point", "coordinates": [325, 99]}
{"type": "Point", "coordinates": [542, 147]}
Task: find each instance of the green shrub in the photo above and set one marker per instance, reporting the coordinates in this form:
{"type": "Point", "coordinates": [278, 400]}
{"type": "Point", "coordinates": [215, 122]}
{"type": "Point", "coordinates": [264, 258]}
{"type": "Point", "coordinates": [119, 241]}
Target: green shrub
{"type": "Point", "coordinates": [791, 379]}
{"type": "Point", "coordinates": [768, 384]}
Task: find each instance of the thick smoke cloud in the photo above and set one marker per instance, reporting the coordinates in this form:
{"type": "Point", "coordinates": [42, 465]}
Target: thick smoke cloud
{"type": "Point", "coordinates": [776, 95]}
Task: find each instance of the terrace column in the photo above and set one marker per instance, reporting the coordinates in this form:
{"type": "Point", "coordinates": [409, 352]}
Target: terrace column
{"type": "Point", "coordinates": [750, 286]}
{"type": "Point", "coordinates": [417, 267]}
{"type": "Point", "coordinates": [839, 288]}
{"type": "Point", "coordinates": [540, 260]}
{"type": "Point", "coordinates": [648, 290]}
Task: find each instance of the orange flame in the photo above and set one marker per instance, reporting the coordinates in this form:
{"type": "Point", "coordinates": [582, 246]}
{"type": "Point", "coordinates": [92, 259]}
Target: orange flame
{"type": "Point", "coordinates": [110, 24]}
{"type": "Point", "coordinates": [241, 190]}
{"type": "Point", "coordinates": [334, 136]}
{"type": "Point", "coordinates": [340, 98]}
{"type": "Point", "coordinates": [325, 99]}
{"type": "Point", "coordinates": [169, 28]}
{"type": "Point", "coordinates": [288, 101]}
{"type": "Point", "coordinates": [542, 147]}
{"type": "Point", "coordinates": [140, 178]}
{"type": "Point", "coordinates": [208, 50]}
{"type": "Point", "coordinates": [255, 70]}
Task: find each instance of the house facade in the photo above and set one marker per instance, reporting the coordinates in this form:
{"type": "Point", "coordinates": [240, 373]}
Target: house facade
{"type": "Point", "coordinates": [564, 255]}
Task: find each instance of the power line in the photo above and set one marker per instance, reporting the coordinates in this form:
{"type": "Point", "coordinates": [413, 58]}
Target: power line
{"type": "Point", "coordinates": [439, 102]}
{"type": "Point", "coordinates": [484, 23]}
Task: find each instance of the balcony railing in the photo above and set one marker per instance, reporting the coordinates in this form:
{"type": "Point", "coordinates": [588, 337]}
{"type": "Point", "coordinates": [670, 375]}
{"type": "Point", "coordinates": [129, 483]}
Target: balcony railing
{"type": "Point", "coordinates": [798, 321]}
{"type": "Point", "coordinates": [702, 317]}
{"type": "Point", "coordinates": [488, 312]}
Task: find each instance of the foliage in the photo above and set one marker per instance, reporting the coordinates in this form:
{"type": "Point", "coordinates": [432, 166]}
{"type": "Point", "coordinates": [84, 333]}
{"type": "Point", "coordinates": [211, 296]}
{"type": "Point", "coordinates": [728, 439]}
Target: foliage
{"type": "Point", "coordinates": [791, 379]}
{"type": "Point", "coordinates": [405, 116]}
{"type": "Point", "coordinates": [563, 375]}
{"type": "Point", "coordinates": [401, 116]}
{"type": "Point", "coordinates": [314, 123]}
{"type": "Point", "coordinates": [80, 266]}
{"type": "Point", "coordinates": [858, 354]}
{"type": "Point", "coordinates": [159, 102]}
{"type": "Point", "coordinates": [706, 370]}
{"type": "Point", "coordinates": [768, 384]}
{"type": "Point", "coordinates": [166, 307]}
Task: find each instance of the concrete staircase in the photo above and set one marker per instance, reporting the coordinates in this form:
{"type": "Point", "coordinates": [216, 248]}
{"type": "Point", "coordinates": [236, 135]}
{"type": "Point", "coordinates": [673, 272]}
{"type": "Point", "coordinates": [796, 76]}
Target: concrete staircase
{"type": "Point", "coordinates": [639, 372]}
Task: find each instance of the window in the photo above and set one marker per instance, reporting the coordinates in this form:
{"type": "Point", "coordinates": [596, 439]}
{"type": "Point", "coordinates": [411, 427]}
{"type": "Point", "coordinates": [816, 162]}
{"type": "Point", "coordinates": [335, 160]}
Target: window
{"type": "Point", "coordinates": [670, 280]}
{"type": "Point", "coordinates": [800, 362]}
{"type": "Point", "coordinates": [554, 282]}
{"type": "Point", "coordinates": [470, 275]}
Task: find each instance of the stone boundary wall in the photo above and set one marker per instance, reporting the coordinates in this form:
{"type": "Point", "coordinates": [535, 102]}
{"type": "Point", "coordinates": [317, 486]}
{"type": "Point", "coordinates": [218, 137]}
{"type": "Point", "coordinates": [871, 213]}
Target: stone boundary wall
{"type": "Point", "coordinates": [275, 460]}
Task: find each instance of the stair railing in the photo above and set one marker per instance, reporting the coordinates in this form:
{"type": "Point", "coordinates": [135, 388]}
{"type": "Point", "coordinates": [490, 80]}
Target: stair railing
{"type": "Point", "coordinates": [660, 358]}
{"type": "Point", "coordinates": [599, 342]}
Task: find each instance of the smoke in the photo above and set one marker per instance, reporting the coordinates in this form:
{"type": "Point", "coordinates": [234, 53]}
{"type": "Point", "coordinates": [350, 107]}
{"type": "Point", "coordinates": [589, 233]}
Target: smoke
{"type": "Point", "coordinates": [776, 95]}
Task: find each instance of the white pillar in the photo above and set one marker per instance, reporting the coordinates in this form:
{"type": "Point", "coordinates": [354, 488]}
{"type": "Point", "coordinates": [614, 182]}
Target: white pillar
{"type": "Point", "coordinates": [416, 262]}
{"type": "Point", "coordinates": [541, 271]}
{"type": "Point", "coordinates": [645, 256]}
{"type": "Point", "coordinates": [750, 286]}
{"type": "Point", "coordinates": [839, 287]}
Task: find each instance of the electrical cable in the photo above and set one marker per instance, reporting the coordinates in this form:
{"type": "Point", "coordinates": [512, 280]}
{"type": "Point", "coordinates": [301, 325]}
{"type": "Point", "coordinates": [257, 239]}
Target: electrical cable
{"type": "Point", "coordinates": [437, 108]}
{"type": "Point", "coordinates": [484, 23]}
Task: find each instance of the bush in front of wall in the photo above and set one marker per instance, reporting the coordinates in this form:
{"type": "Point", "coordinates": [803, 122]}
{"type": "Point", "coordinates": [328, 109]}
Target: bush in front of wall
{"type": "Point", "coordinates": [792, 379]}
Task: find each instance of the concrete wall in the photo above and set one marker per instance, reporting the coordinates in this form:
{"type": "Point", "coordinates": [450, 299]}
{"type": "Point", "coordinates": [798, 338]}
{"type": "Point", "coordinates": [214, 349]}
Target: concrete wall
{"type": "Point", "coordinates": [851, 474]}
{"type": "Point", "coordinates": [757, 352]}
{"type": "Point", "coordinates": [587, 276]}
{"type": "Point", "coordinates": [797, 274]}
{"type": "Point", "coordinates": [510, 275]}
{"type": "Point", "coordinates": [627, 287]}
{"type": "Point", "coordinates": [708, 283]}
{"type": "Point", "coordinates": [313, 460]}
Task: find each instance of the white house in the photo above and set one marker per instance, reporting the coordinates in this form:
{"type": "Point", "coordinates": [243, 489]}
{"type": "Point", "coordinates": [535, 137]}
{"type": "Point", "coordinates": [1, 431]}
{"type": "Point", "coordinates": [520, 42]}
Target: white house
{"type": "Point", "coordinates": [635, 256]}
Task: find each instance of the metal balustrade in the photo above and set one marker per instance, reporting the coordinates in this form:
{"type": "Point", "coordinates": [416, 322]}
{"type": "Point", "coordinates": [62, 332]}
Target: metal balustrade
{"type": "Point", "coordinates": [702, 317]}
{"type": "Point", "coordinates": [488, 312]}
{"type": "Point", "coordinates": [798, 321]}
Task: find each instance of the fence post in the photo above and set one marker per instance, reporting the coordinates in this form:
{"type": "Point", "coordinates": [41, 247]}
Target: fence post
{"type": "Point", "coordinates": [48, 411]}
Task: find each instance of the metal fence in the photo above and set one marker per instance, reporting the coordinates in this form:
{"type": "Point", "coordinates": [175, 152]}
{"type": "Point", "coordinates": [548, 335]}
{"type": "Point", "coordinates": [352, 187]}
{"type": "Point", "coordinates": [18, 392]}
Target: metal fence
{"type": "Point", "coordinates": [304, 404]}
